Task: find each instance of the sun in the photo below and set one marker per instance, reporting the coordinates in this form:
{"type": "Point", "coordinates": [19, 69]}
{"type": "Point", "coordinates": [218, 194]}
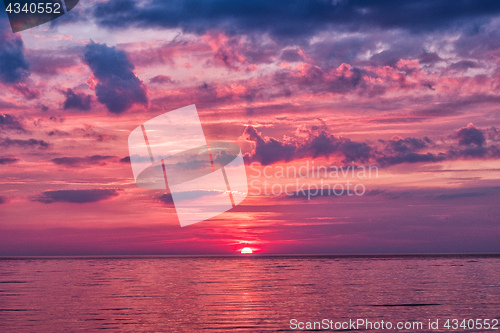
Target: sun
{"type": "Point", "coordinates": [246, 250]}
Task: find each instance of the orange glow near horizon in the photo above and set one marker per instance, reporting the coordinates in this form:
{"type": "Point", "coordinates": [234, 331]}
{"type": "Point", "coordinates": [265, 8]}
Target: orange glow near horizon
{"type": "Point", "coordinates": [246, 250]}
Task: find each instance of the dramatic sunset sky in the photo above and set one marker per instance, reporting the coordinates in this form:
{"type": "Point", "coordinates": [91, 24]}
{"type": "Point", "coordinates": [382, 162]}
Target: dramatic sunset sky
{"type": "Point", "coordinates": [411, 87]}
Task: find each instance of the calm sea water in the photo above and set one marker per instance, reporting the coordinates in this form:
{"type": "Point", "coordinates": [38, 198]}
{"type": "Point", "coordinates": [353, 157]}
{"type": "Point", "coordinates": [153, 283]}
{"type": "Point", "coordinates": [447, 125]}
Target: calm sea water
{"type": "Point", "coordinates": [220, 294]}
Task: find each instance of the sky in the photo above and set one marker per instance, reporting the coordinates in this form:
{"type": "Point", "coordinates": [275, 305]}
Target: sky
{"type": "Point", "coordinates": [406, 89]}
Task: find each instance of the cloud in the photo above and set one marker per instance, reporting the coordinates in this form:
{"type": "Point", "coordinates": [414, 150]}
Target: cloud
{"type": "Point", "coordinates": [296, 18]}
{"type": "Point", "coordinates": [76, 100]}
{"type": "Point", "coordinates": [83, 161]}
{"type": "Point", "coordinates": [8, 160]}
{"type": "Point", "coordinates": [317, 142]}
{"type": "Point", "coordinates": [29, 143]}
{"type": "Point", "coordinates": [118, 87]}
{"type": "Point", "coordinates": [14, 67]}
{"type": "Point", "coordinates": [49, 62]}
{"type": "Point", "coordinates": [493, 134]}
{"type": "Point", "coordinates": [187, 195]}
{"type": "Point", "coordinates": [448, 196]}
{"type": "Point", "coordinates": [166, 198]}
{"type": "Point", "coordinates": [25, 90]}
{"type": "Point", "coordinates": [405, 145]}
{"type": "Point", "coordinates": [406, 150]}
{"type": "Point", "coordinates": [463, 65]}
{"type": "Point", "coordinates": [90, 132]}
{"type": "Point", "coordinates": [313, 144]}
{"type": "Point", "coordinates": [126, 159]}
{"type": "Point", "coordinates": [76, 196]}
{"type": "Point", "coordinates": [429, 58]}
{"type": "Point", "coordinates": [2, 200]}
{"type": "Point", "coordinates": [410, 158]}
{"type": "Point", "coordinates": [161, 79]}
{"type": "Point", "coordinates": [472, 143]}
{"type": "Point", "coordinates": [10, 123]}
{"type": "Point", "coordinates": [57, 132]}
{"type": "Point", "coordinates": [268, 151]}
{"type": "Point", "coordinates": [230, 52]}
{"type": "Point", "coordinates": [291, 55]}
{"type": "Point", "coordinates": [470, 135]}
{"type": "Point", "coordinates": [85, 132]}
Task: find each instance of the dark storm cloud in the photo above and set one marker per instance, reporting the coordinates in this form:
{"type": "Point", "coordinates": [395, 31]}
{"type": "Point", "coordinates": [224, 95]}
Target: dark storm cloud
{"type": "Point", "coordinates": [126, 159]}
{"type": "Point", "coordinates": [288, 19]}
{"type": "Point", "coordinates": [355, 151]}
{"type": "Point", "coordinates": [118, 88]}
{"type": "Point", "coordinates": [58, 133]}
{"type": "Point", "coordinates": [463, 65]}
{"type": "Point", "coordinates": [50, 62]}
{"type": "Point", "coordinates": [8, 160]}
{"type": "Point", "coordinates": [187, 195]}
{"type": "Point", "coordinates": [460, 195]}
{"type": "Point", "coordinates": [76, 100]}
{"type": "Point", "coordinates": [86, 132]}
{"type": "Point", "coordinates": [472, 143]}
{"type": "Point", "coordinates": [75, 196]}
{"type": "Point", "coordinates": [83, 161]}
{"type": "Point", "coordinates": [13, 65]}
{"type": "Point", "coordinates": [493, 134]}
{"type": "Point", "coordinates": [470, 135]}
{"type": "Point", "coordinates": [25, 90]}
{"type": "Point", "coordinates": [28, 143]}
{"type": "Point", "coordinates": [166, 198]}
{"type": "Point", "coordinates": [11, 123]}
{"type": "Point", "coordinates": [317, 143]}
{"type": "Point", "coordinates": [471, 152]}
{"type": "Point", "coordinates": [401, 145]}
{"type": "Point", "coordinates": [347, 79]}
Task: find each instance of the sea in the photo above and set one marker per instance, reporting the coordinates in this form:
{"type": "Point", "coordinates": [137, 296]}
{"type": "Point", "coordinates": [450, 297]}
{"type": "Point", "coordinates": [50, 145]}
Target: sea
{"type": "Point", "coordinates": [444, 293]}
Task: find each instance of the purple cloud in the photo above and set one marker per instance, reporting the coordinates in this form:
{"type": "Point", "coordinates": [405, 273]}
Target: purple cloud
{"type": "Point", "coordinates": [13, 65]}
{"type": "Point", "coordinates": [406, 150]}
{"type": "Point", "coordinates": [297, 20]}
{"type": "Point", "coordinates": [317, 142]}
{"type": "Point", "coordinates": [118, 87]}
{"type": "Point", "coordinates": [11, 123]}
{"type": "Point", "coordinates": [126, 159]}
{"type": "Point", "coordinates": [50, 62]}
{"type": "Point", "coordinates": [161, 79]}
{"type": "Point", "coordinates": [76, 196]}
{"type": "Point", "coordinates": [166, 198]}
{"type": "Point", "coordinates": [76, 100]}
{"type": "Point", "coordinates": [29, 143]}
